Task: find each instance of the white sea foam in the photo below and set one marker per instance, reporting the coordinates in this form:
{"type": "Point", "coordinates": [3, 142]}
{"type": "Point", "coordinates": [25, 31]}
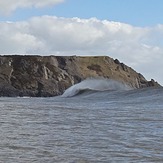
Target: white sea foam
{"type": "Point", "coordinates": [95, 85]}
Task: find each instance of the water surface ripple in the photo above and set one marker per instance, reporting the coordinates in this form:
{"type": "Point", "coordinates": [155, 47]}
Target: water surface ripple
{"type": "Point", "coordinates": [93, 127]}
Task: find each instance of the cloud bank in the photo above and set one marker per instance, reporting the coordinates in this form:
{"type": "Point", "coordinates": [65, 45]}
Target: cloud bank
{"type": "Point", "coordinates": [138, 47]}
{"type": "Point", "coordinates": [8, 6]}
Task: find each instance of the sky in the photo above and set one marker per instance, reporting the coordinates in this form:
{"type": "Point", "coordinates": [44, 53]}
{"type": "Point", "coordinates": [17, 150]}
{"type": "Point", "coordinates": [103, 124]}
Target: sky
{"type": "Point", "coordinates": [129, 30]}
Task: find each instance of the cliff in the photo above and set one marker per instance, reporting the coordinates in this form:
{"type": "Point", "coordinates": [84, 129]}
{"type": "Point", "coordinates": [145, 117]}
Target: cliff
{"type": "Point", "coordinates": [50, 75]}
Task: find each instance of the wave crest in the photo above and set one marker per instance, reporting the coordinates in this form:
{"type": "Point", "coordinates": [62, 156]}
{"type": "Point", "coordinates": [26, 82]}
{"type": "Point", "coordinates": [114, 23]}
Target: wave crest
{"type": "Point", "coordinates": [95, 85]}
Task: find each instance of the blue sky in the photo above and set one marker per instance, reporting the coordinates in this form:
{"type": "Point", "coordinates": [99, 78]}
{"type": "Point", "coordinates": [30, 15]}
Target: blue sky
{"type": "Point", "coordinates": [130, 30]}
{"type": "Point", "coordinates": [134, 12]}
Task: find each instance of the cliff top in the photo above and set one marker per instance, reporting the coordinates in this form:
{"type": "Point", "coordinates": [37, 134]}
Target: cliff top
{"type": "Point", "coordinates": [52, 75]}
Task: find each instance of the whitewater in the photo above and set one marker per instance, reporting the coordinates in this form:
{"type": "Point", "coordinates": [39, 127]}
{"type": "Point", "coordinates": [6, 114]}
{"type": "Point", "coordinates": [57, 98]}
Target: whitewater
{"type": "Point", "coordinates": [97, 120]}
{"type": "Point", "coordinates": [92, 84]}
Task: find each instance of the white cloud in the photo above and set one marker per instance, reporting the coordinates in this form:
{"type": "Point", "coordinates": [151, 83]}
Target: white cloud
{"type": "Point", "coordinates": [8, 6]}
{"type": "Point", "coordinates": [138, 47]}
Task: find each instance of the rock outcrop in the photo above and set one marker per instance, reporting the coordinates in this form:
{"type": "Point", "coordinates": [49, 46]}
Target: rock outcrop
{"type": "Point", "coordinates": [46, 76]}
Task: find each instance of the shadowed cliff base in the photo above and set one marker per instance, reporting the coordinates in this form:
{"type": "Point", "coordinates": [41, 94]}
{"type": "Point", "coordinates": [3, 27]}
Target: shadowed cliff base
{"type": "Point", "coordinates": [46, 76]}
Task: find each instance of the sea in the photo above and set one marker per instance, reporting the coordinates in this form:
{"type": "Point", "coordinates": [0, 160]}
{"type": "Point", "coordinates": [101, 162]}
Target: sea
{"type": "Point", "coordinates": [95, 121]}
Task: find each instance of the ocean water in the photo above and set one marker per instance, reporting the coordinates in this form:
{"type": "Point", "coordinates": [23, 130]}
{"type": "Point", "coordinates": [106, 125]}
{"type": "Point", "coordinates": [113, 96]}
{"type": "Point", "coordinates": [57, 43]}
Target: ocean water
{"type": "Point", "coordinates": [91, 122]}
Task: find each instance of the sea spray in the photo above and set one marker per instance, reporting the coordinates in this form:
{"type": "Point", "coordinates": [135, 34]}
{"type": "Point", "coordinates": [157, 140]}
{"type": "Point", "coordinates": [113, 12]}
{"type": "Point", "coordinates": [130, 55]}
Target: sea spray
{"type": "Point", "coordinates": [94, 84]}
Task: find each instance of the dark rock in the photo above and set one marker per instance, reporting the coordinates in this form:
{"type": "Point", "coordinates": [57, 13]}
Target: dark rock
{"type": "Point", "coordinates": [94, 67]}
{"type": "Point", "coordinates": [39, 76]}
{"type": "Point", "coordinates": [152, 83]}
{"type": "Point", "coordinates": [62, 62]}
{"type": "Point", "coordinates": [116, 61]}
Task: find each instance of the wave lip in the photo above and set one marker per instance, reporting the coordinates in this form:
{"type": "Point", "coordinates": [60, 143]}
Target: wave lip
{"type": "Point", "coordinates": [95, 85]}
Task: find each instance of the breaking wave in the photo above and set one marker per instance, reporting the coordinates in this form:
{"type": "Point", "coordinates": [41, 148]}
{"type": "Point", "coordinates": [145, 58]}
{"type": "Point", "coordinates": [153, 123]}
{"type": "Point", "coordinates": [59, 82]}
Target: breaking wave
{"type": "Point", "coordinates": [91, 84]}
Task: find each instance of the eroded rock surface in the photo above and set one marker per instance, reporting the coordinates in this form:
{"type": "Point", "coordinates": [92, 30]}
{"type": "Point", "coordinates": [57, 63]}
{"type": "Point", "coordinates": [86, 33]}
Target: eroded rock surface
{"type": "Point", "coordinates": [50, 75]}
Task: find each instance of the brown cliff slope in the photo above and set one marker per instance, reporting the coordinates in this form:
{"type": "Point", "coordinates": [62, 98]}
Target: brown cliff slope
{"type": "Point", "coordinates": [51, 75]}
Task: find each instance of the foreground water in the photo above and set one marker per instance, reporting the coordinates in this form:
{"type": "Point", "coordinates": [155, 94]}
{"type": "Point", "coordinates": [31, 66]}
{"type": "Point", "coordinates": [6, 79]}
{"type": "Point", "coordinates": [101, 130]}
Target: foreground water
{"type": "Point", "coordinates": [106, 126]}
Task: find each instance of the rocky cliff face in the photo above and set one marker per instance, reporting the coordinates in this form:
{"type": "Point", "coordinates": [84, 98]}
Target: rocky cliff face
{"type": "Point", "coordinates": [51, 75]}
